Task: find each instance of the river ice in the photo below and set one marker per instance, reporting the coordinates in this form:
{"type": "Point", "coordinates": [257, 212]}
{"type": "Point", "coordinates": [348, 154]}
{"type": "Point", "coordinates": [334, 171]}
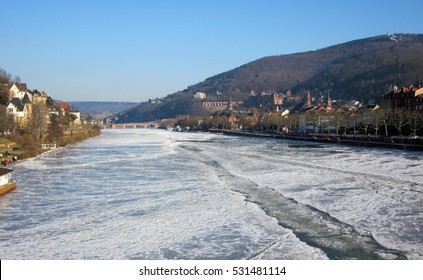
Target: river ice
{"type": "Point", "coordinates": [154, 194]}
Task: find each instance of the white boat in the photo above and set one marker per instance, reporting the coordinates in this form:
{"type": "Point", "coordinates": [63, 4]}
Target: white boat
{"type": "Point", "coordinates": [5, 185]}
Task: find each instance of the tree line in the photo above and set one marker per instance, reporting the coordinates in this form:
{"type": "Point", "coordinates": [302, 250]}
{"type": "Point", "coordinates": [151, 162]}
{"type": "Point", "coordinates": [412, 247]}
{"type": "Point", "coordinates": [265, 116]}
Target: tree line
{"type": "Point", "coordinates": [379, 122]}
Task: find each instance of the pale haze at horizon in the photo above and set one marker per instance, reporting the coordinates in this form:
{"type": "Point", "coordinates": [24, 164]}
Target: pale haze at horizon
{"type": "Point", "coordinates": [137, 50]}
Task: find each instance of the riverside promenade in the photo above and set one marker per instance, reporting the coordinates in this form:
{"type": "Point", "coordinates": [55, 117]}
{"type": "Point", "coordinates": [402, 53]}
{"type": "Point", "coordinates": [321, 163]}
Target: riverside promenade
{"type": "Point", "coordinates": [402, 143]}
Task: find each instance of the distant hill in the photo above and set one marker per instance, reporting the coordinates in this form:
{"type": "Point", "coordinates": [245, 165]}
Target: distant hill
{"type": "Point", "coordinates": [361, 69]}
{"type": "Point", "coordinates": [100, 110]}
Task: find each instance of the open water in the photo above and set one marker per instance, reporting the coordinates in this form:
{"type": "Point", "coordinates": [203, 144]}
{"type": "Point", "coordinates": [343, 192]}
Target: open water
{"type": "Point", "coordinates": [154, 194]}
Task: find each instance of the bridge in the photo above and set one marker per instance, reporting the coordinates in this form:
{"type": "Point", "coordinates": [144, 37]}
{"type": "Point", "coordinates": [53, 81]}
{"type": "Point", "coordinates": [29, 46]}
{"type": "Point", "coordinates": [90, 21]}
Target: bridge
{"type": "Point", "coordinates": [136, 125]}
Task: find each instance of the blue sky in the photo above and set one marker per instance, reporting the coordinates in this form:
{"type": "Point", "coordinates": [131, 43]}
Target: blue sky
{"type": "Point", "coordinates": [135, 50]}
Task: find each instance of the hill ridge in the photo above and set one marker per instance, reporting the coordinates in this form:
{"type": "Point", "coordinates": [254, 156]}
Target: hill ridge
{"type": "Point", "coordinates": [360, 69]}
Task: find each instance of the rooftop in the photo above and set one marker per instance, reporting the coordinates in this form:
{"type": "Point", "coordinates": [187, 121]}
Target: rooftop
{"type": "Point", "coordinates": [4, 171]}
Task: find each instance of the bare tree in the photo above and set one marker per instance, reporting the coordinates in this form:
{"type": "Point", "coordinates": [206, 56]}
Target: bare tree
{"type": "Point", "coordinates": [7, 122]}
{"type": "Point", "coordinates": [377, 120]}
{"type": "Point", "coordinates": [385, 117]}
{"type": "Point", "coordinates": [415, 121]}
{"type": "Point", "coordinates": [365, 120]}
{"type": "Point", "coordinates": [5, 77]}
{"type": "Point", "coordinates": [293, 122]}
{"type": "Point", "coordinates": [341, 120]}
{"type": "Point", "coordinates": [55, 130]}
{"type": "Point", "coordinates": [354, 121]}
{"type": "Point", "coordinates": [4, 94]}
{"type": "Point", "coordinates": [272, 122]}
{"type": "Point", "coordinates": [17, 79]}
{"type": "Point", "coordinates": [38, 120]}
{"type": "Point", "coordinates": [221, 122]}
{"type": "Point", "coordinates": [399, 119]}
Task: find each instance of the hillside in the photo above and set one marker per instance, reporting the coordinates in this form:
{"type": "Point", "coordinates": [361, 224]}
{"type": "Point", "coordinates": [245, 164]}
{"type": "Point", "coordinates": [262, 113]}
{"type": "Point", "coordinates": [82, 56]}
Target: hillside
{"type": "Point", "coordinates": [361, 69]}
{"type": "Point", "coordinates": [99, 110]}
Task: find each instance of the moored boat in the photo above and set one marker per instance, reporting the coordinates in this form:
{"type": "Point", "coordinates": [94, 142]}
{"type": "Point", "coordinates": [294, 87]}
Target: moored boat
{"type": "Point", "coordinates": [5, 185]}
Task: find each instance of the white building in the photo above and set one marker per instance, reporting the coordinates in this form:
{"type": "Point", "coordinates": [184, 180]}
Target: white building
{"type": "Point", "coordinates": [77, 116]}
{"type": "Point", "coordinates": [200, 95]}
{"type": "Point", "coordinates": [18, 90]}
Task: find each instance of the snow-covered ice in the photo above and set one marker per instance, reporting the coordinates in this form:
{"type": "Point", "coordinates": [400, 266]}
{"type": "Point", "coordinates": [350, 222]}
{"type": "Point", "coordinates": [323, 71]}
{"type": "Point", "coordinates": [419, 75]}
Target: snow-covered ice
{"type": "Point", "coordinates": [154, 194]}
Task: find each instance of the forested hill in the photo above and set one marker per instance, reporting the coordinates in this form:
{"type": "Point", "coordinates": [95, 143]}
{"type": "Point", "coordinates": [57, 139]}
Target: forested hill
{"type": "Point", "coordinates": [361, 69]}
{"type": "Point", "coordinates": [100, 110]}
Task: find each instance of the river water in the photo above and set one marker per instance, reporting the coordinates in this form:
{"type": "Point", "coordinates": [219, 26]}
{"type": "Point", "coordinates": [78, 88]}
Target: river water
{"type": "Point", "coordinates": [154, 194]}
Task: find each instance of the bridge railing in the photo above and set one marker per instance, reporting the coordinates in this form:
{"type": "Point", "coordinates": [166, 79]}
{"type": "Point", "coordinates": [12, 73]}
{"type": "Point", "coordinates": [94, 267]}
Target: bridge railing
{"type": "Point", "coordinates": [135, 125]}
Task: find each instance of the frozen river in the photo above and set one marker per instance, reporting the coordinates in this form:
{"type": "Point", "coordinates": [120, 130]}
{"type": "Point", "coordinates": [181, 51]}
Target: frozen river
{"type": "Point", "coordinates": [154, 194]}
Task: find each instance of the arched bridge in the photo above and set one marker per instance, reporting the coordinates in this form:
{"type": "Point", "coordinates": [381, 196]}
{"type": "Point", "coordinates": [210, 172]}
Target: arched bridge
{"type": "Point", "coordinates": [136, 125]}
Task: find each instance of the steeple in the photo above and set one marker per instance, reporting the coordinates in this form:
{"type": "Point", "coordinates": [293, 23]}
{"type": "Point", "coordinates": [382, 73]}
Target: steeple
{"type": "Point", "coordinates": [308, 100]}
{"type": "Point", "coordinates": [230, 105]}
{"type": "Point", "coordinates": [329, 107]}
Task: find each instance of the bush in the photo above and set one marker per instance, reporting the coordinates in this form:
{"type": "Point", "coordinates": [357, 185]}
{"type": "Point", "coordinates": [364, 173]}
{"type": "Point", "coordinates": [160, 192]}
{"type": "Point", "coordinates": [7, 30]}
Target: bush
{"type": "Point", "coordinates": [29, 145]}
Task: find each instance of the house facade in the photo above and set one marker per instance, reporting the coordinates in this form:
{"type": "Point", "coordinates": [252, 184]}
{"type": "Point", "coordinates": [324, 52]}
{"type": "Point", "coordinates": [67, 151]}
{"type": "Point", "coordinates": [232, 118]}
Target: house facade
{"type": "Point", "coordinates": [21, 111]}
{"type": "Point", "coordinates": [77, 117]}
{"type": "Point", "coordinates": [408, 98]}
{"type": "Point", "coordinates": [18, 90]}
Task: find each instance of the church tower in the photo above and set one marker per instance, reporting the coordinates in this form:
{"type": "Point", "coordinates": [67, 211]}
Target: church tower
{"type": "Point", "coordinates": [308, 100]}
{"type": "Point", "coordinates": [329, 107]}
{"type": "Point", "coordinates": [230, 105]}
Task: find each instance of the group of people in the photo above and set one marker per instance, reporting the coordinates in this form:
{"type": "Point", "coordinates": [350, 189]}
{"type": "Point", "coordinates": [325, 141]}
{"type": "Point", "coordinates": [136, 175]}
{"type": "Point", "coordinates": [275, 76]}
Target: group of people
{"type": "Point", "coordinates": [5, 161]}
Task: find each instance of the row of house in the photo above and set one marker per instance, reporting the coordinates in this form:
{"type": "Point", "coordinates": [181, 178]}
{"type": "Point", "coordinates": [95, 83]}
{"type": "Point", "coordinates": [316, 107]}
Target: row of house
{"type": "Point", "coordinates": [409, 98]}
{"type": "Point", "coordinates": [22, 100]}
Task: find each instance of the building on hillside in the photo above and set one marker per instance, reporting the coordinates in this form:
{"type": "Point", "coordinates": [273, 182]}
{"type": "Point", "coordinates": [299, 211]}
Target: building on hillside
{"type": "Point", "coordinates": [62, 106]}
{"type": "Point", "coordinates": [215, 104]}
{"type": "Point", "coordinates": [278, 98]}
{"type": "Point", "coordinates": [20, 101]}
{"type": "Point", "coordinates": [15, 107]}
{"type": "Point", "coordinates": [200, 95]}
{"type": "Point", "coordinates": [26, 99]}
{"type": "Point", "coordinates": [18, 90]}
{"type": "Point", "coordinates": [39, 96]}
{"type": "Point", "coordinates": [20, 109]}
{"type": "Point", "coordinates": [77, 117]}
{"type": "Point", "coordinates": [408, 98]}
{"type": "Point", "coordinates": [289, 97]}
{"type": "Point", "coordinates": [20, 104]}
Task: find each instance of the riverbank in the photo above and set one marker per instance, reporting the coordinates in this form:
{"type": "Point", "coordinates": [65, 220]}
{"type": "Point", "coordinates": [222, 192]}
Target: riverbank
{"type": "Point", "coordinates": [351, 140]}
{"type": "Point", "coordinates": [24, 146]}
